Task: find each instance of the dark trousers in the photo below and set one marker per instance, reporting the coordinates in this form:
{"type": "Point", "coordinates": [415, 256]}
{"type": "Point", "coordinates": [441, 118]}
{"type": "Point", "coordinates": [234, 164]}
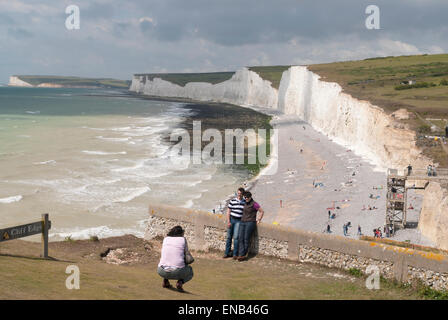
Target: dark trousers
{"type": "Point", "coordinates": [246, 230]}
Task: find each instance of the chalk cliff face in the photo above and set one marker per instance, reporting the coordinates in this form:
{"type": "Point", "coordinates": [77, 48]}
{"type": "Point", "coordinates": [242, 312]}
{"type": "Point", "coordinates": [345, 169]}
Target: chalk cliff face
{"type": "Point", "coordinates": [244, 88]}
{"type": "Point", "coordinates": [16, 82]}
{"type": "Point", "coordinates": [434, 216]}
{"type": "Point", "coordinates": [361, 126]}
{"type": "Point", "coordinates": [364, 128]}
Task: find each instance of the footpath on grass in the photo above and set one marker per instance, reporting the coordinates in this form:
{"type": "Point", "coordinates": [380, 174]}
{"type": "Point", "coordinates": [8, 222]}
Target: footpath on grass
{"type": "Point", "coordinates": [125, 268]}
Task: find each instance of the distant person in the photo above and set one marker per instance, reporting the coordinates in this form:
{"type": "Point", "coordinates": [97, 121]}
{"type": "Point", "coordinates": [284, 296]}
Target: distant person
{"type": "Point", "coordinates": [329, 214]}
{"type": "Point", "coordinates": [446, 131]}
{"type": "Point", "coordinates": [328, 228]}
{"type": "Point", "coordinates": [234, 214]}
{"type": "Point", "coordinates": [252, 215]}
{"type": "Point", "coordinates": [359, 230]}
{"type": "Point", "coordinates": [429, 170]}
{"type": "Point", "coordinates": [409, 169]}
{"type": "Point", "coordinates": [174, 259]}
{"type": "Point", "coordinates": [434, 173]}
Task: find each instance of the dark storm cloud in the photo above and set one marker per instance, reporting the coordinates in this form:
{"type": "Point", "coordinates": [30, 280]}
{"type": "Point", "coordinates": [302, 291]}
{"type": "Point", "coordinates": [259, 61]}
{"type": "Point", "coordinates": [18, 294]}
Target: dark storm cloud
{"type": "Point", "coordinates": [118, 37]}
{"type": "Point", "coordinates": [256, 21]}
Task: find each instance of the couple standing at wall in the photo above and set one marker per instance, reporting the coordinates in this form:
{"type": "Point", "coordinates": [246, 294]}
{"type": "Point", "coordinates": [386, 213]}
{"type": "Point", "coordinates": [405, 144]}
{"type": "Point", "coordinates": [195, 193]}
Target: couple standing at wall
{"type": "Point", "coordinates": [243, 215]}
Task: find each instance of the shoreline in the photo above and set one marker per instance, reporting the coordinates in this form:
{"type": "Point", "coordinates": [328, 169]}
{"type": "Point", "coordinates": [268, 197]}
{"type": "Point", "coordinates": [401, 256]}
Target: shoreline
{"type": "Point", "coordinates": [301, 210]}
{"type": "Point", "coordinates": [197, 105]}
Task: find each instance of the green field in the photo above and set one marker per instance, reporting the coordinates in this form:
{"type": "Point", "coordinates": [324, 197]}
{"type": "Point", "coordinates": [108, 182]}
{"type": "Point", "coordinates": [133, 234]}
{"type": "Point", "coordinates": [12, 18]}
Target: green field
{"type": "Point", "coordinates": [23, 275]}
{"type": "Point", "coordinates": [271, 73]}
{"type": "Point", "coordinates": [378, 80]}
{"type": "Point", "coordinates": [76, 81]}
{"type": "Point", "coordinates": [182, 79]}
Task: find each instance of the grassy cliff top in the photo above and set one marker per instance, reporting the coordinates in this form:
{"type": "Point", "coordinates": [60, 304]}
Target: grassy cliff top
{"type": "Point", "coordinates": [182, 79]}
{"type": "Point", "coordinates": [271, 73]}
{"type": "Point", "coordinates": [75, 81]}
{"type": "Point", "coordinates": [25, 276]}
{"type": "Point", "coordinates": [380, 81]}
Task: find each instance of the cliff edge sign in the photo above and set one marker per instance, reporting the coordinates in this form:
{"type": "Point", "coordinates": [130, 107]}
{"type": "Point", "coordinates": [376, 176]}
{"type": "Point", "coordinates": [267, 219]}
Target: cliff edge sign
{"type": "Point", "coordinates": [29, 229]}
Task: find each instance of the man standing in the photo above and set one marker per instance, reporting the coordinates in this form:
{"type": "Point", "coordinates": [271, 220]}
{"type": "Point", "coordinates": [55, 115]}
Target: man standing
{"type": "Point", "coordinates": [409, 169]}
{"type": "Point", "coordinates": [249, 221]}
{"type": "Point", "coordinates": [234, 214]}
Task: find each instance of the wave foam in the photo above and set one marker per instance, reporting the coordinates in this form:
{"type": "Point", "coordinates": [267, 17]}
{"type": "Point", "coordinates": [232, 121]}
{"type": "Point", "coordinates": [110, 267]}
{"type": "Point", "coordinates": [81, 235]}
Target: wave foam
{"type": "Point", "coordinates": [11, 199]}
{"type": "Point", "coordinates": [102, 153]}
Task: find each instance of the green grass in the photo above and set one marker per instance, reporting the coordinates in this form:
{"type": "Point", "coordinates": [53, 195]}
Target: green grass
{"type": "Point", "coordinates": [378, 80]}
{"type": "Point", "coordinates": [271, 73]}
{"type": "Point", "coordinates": [75, 81]}
{"type": "Point", "coordinates": [24, 275]}
{"type": "Point", "coordinates": [355, 272]}
{"type": "Point", "coordinates": [182, 79]}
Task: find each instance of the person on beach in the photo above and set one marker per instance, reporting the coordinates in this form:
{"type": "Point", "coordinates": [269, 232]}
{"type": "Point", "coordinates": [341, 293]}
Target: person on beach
{"type": "Point", "coordinates": [359, 230]}
{"type": "Point", "coordinates": [174, 259]}
{"type": "Point", "coordinates": [234, 214]}
{"type": "Point", "coordinates": [252, 215]}
{"type": "Point", "coordinates": [409, 169]}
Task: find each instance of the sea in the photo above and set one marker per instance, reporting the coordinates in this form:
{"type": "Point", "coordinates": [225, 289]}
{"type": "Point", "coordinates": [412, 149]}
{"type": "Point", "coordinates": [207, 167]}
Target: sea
{"type": "Point", "coordinates": [95, 159]}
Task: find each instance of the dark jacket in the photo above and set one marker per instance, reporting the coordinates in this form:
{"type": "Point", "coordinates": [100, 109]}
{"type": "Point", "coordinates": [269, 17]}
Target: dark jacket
{"type": "Point", "coordinates": [250, 212]}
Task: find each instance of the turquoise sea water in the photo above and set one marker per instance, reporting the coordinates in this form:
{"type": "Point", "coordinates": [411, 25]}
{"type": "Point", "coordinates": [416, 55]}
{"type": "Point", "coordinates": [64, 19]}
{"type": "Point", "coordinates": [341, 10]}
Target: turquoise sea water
{"type": "Point", "coordinates": [94, 160]}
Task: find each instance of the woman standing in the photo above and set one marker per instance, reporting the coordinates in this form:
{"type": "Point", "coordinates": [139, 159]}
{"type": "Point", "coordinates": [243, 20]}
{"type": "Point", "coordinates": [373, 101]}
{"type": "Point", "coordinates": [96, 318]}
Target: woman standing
{"type": "Point", "coordinates": [249, 221]}
{"type": "Point", "coordinates": [175, 259]}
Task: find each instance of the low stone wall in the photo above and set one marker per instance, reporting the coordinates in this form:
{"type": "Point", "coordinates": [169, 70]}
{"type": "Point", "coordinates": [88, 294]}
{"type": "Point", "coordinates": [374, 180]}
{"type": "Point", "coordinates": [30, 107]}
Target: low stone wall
{"type": "Point", "coordinates": [205, 231]}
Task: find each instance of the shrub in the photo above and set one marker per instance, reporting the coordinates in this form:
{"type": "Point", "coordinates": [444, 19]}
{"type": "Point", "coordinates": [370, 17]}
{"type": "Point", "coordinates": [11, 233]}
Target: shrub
{"type": "Point", "coordinates": [355, 272]}
{"type": "Point", "coordinates": [424, 128]}
{"type": "Point", "coordinates": [94, 238]}
{"type": "Point", "coordinates": [415, 85]}
{"type": "Point", "coordinates": [444, 82]}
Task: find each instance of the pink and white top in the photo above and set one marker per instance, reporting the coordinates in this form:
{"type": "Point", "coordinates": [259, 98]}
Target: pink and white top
{"type": "Point", "coordinates": [173, 253]}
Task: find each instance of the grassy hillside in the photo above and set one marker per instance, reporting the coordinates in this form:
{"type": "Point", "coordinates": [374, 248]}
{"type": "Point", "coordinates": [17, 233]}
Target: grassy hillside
{"type": "Point", "coordinates": [182, 79]}
{"type": "Point", "coordinates": [378, 80]}
{"type": "Point", "coordinates": [271, 73]}
{"type": "Point", "coordinates": [24, 275]}
{"type": "Point", "coordinates": [76, 81]}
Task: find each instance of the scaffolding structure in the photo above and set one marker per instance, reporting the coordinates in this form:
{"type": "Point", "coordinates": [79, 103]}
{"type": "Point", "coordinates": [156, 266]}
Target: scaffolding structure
{"type": "Point", "coordinates": [397, 189]}
{"type": "Point", "coordinates": [396, 201]}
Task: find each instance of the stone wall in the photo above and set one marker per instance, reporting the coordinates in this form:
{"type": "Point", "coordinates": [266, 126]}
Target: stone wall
{"type": "Point", "coordinates": [208, 231]}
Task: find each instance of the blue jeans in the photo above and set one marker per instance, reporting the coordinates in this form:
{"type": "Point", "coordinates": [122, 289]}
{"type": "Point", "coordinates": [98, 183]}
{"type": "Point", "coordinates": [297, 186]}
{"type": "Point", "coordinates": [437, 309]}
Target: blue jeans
{"type": "Point", "coordinates": [233, 232]}
{"type": "Point", "coordinates": [185, 273]}
{"type": "Point", "coordinates": [246, 230]}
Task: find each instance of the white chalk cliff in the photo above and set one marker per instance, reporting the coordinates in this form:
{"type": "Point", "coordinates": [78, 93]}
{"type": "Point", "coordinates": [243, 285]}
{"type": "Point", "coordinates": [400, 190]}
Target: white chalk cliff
{"type": "Point", "coordinates": [16, 82]}
{"type": "Point", "coordinates": [364, 128]}
{"type": "Point", "coordinates": [361, 126]}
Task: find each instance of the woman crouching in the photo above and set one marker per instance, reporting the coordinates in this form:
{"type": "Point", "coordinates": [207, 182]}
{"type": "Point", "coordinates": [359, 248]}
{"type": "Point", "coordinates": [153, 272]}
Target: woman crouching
{"type": "Point", "coordinates": [175, 259]}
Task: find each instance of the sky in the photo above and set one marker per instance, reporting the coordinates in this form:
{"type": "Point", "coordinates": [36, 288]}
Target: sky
{"type": "Point", "coordinates": [118, 38]}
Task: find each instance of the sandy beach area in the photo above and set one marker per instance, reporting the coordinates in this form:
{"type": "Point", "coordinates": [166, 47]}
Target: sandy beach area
{"type": "Point", "coordinates": [315, 175]}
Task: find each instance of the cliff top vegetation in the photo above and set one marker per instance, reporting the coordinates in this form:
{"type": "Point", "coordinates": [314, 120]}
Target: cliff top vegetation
{"type": "Point", "coordinates": [417, 83]}
{"type": "Point", "coordinates": [135, 277]}
{"type": "Point", "coordinates": [75, 81]}
{"type": "Point", "coordinates": [182, 79]}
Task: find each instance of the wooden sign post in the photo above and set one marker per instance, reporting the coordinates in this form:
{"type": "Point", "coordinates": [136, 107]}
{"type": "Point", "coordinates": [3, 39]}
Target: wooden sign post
{"type": "Point", "coordinates": [29, 229]}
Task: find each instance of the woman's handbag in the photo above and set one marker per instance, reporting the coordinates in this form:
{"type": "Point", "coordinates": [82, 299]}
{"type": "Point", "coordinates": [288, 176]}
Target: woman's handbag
{"type": "Point", "coordinates": [188, 257]}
